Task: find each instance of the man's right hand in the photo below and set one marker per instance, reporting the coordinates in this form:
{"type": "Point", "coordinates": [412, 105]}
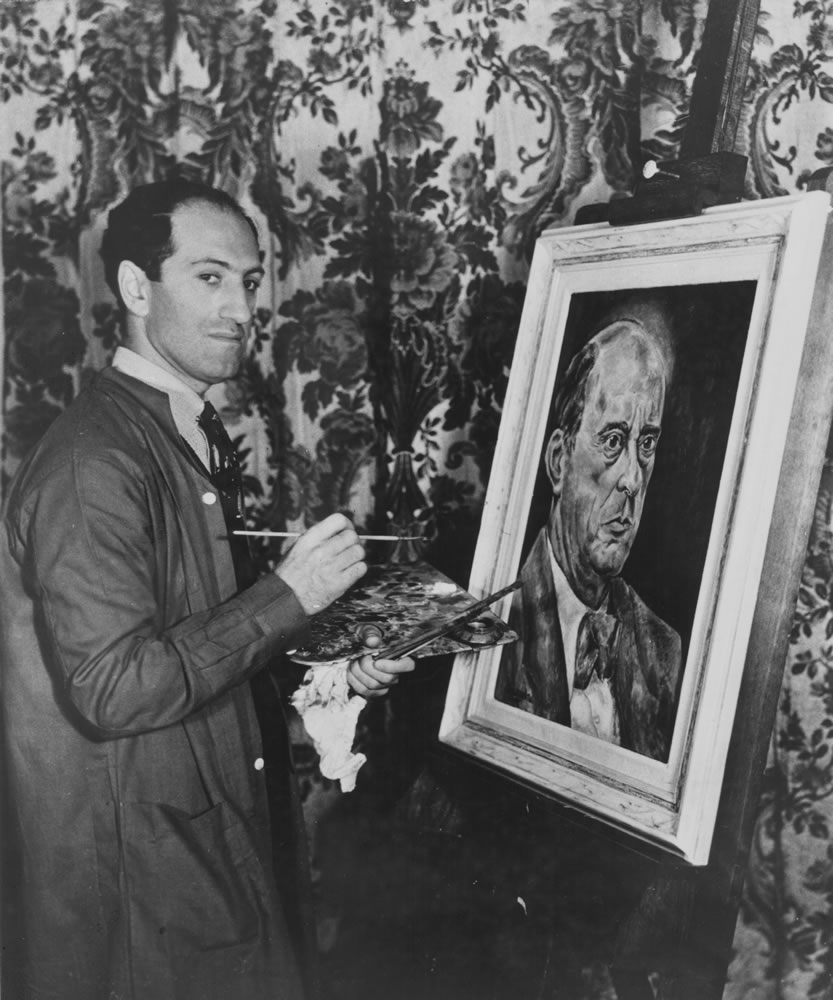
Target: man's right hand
{"type": "Point", "coordinates": [323, 563]}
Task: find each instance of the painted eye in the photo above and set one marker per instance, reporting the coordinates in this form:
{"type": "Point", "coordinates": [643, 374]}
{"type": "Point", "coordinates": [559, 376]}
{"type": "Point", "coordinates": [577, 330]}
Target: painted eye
{"type": "Point", "coordinates": [613, 443]}
{"type": "Point", "coordinates": [648, 445]}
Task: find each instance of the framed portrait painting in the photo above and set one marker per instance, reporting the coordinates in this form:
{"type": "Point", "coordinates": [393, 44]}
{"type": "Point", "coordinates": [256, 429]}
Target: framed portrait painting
{"type": "Point", "coordinates": [632, 492]}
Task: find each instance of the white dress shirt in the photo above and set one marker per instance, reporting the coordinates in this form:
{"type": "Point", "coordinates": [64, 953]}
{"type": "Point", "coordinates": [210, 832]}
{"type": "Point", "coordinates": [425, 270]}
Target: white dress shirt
{"type": "Point", "coordinates": [186, 404]}
{"type": "Point", "coordinates": [592, 710]}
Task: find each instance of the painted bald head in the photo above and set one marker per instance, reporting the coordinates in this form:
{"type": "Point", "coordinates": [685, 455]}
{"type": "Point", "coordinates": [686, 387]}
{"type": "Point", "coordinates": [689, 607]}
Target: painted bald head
{"type": "Point", "coordinates": [600, 456]}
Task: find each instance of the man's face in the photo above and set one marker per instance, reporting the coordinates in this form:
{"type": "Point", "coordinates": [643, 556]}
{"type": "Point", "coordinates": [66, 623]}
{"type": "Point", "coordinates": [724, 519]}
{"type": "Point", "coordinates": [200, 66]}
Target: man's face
{"type": "Point", "coordinates": [600, 485]}
{"type": "Point", "coordinates": [199, 311]}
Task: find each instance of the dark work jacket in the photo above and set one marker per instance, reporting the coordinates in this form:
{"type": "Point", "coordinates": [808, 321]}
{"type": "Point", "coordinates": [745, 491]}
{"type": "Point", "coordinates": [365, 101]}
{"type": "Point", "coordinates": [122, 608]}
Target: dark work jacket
{"type": "Point", "coordinates": [136, 829]}
{"type": "Point", "coordinates": [646, 677]}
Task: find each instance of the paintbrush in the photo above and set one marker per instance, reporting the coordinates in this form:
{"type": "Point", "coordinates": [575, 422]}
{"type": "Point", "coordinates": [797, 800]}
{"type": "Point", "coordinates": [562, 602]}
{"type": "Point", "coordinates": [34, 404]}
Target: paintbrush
{"type": "Point", "coordinates": [363, 538]}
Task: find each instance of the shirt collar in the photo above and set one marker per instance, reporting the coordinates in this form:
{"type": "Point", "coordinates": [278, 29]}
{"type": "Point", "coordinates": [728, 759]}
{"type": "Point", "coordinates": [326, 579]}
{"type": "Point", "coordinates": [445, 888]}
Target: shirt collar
{"type": "Point", "coordinates": [185, 404]}
{"type": "Point", "coordinates": [186, 400]}
{"type": "Point", "coordinates": [570, 609]}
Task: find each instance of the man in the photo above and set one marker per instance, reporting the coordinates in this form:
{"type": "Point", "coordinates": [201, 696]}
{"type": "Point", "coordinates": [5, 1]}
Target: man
{"type": "Point", "coordinates": [591, 655]}
{"type": "Point", "coordinates": [143, 860]}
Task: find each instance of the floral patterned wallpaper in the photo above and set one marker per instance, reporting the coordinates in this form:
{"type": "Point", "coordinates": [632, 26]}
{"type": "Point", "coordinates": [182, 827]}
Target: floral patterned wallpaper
{"type": "Point", "coordinates": [400, 158]}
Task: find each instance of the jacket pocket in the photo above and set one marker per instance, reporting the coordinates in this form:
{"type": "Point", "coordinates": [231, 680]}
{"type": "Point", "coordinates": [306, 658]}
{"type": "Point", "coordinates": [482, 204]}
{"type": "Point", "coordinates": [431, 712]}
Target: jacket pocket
{"type": "Point", "coordinates": [192, 881]}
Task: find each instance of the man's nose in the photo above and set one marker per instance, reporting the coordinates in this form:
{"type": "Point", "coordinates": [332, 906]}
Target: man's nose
{"type": "Point", "coordinates": [630, 476]}
{"type": "Point", "coordinates": [237, 304]}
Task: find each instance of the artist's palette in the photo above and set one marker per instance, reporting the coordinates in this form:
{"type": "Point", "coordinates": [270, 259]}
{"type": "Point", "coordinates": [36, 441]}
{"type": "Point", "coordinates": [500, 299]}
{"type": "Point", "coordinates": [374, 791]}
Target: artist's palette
{"type": "Point", "coordinates": [392, 602]}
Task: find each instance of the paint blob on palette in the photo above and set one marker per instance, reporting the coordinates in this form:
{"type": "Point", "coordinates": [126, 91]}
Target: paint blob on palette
{"type": "Point", "coordinates": [394, 603]}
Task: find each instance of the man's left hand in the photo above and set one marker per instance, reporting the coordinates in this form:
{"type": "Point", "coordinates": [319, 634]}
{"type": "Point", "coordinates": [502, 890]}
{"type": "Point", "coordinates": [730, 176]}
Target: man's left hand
{"type": "Point", "coordinates": [372, 678]}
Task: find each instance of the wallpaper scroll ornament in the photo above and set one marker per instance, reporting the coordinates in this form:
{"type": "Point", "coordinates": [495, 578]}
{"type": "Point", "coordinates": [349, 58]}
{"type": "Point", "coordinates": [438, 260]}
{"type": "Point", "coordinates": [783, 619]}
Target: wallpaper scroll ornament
{"type": "Point", "coordinates": [400, 158]}
{"type": "Point", "coordinates": [429, 223]}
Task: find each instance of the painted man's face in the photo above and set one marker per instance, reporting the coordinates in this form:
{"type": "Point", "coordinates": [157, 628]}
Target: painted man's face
{"type": "Point", "coordinates": [600, 483]}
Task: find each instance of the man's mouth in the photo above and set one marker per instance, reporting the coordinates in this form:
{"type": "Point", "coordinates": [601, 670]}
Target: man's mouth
{"type": "Point", "coordinates": [236, 335]}
{"type": "Point", "coordinates": [619, 525]}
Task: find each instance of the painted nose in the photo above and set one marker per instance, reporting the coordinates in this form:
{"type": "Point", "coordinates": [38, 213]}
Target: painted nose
{"type": "Point", "coordinates": [630, 478]}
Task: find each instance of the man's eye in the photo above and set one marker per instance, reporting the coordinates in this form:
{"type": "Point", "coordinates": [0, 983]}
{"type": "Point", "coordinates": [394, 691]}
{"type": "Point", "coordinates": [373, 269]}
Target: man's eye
{"type": "Point", "coordinates": [210, 279]}
{"type": "Point", "coordinates": [648, 444]}
{"type": "Point", "coordinates": [251, 285]}
{"type": "Point", "coordinates": [612, 443]}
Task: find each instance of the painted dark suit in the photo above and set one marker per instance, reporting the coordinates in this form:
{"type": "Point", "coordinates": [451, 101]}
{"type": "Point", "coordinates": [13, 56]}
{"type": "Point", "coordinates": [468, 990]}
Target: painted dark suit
{"type": "Point", "coordinates": [647, 657]}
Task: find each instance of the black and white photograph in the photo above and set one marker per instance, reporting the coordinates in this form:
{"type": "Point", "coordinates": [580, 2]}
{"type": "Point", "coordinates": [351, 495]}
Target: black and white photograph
{"type": "Point", "coordinates": [416, 499]}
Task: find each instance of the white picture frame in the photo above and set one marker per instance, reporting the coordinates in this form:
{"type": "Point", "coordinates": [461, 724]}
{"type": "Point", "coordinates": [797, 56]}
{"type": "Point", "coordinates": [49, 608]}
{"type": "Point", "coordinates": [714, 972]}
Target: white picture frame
{"type": "Point", "coordinates": [739, 280]}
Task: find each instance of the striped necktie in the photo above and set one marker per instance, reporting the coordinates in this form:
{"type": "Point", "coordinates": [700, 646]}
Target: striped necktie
{"type": "Point", "coordinates": [594, 648]}
{"type": "Point", "coordinates": [228, 480]}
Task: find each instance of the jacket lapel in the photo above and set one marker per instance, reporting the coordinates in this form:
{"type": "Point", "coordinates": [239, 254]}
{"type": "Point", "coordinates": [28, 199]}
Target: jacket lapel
{"type": "Point", "coordinates": [544, 646]}
{"type": "Point", "coordinates": [206, 554]}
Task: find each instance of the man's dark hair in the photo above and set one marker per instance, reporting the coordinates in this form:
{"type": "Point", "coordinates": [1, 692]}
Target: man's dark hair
{"type": "Point", "coordinates": [139, 229]}
{"type": "Point", "coordinates": [568, 404]}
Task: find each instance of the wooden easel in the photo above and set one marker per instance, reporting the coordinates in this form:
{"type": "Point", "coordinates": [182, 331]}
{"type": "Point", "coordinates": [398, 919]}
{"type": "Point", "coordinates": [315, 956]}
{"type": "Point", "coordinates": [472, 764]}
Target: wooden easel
{"type": "Point", "coordinates": [707, 171]}
{"type": "Point", "coordinates": [688, 915]}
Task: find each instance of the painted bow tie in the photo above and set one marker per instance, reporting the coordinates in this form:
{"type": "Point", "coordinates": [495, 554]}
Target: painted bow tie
{"type": "Point", "coordinates": [594, 647]}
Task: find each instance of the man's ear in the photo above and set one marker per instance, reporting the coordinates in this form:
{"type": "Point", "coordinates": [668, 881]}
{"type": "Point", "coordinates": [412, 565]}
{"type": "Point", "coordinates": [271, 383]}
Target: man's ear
{"type": "Point", "coordinates": [554, 460]}
{"type": "Point", "coordinates": [134, 287]}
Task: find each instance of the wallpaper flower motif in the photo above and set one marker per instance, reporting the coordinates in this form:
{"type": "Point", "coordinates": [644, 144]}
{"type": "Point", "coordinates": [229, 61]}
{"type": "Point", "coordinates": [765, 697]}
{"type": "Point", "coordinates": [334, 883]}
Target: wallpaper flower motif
{"type": "Point", "coordinates": [400, 158]}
